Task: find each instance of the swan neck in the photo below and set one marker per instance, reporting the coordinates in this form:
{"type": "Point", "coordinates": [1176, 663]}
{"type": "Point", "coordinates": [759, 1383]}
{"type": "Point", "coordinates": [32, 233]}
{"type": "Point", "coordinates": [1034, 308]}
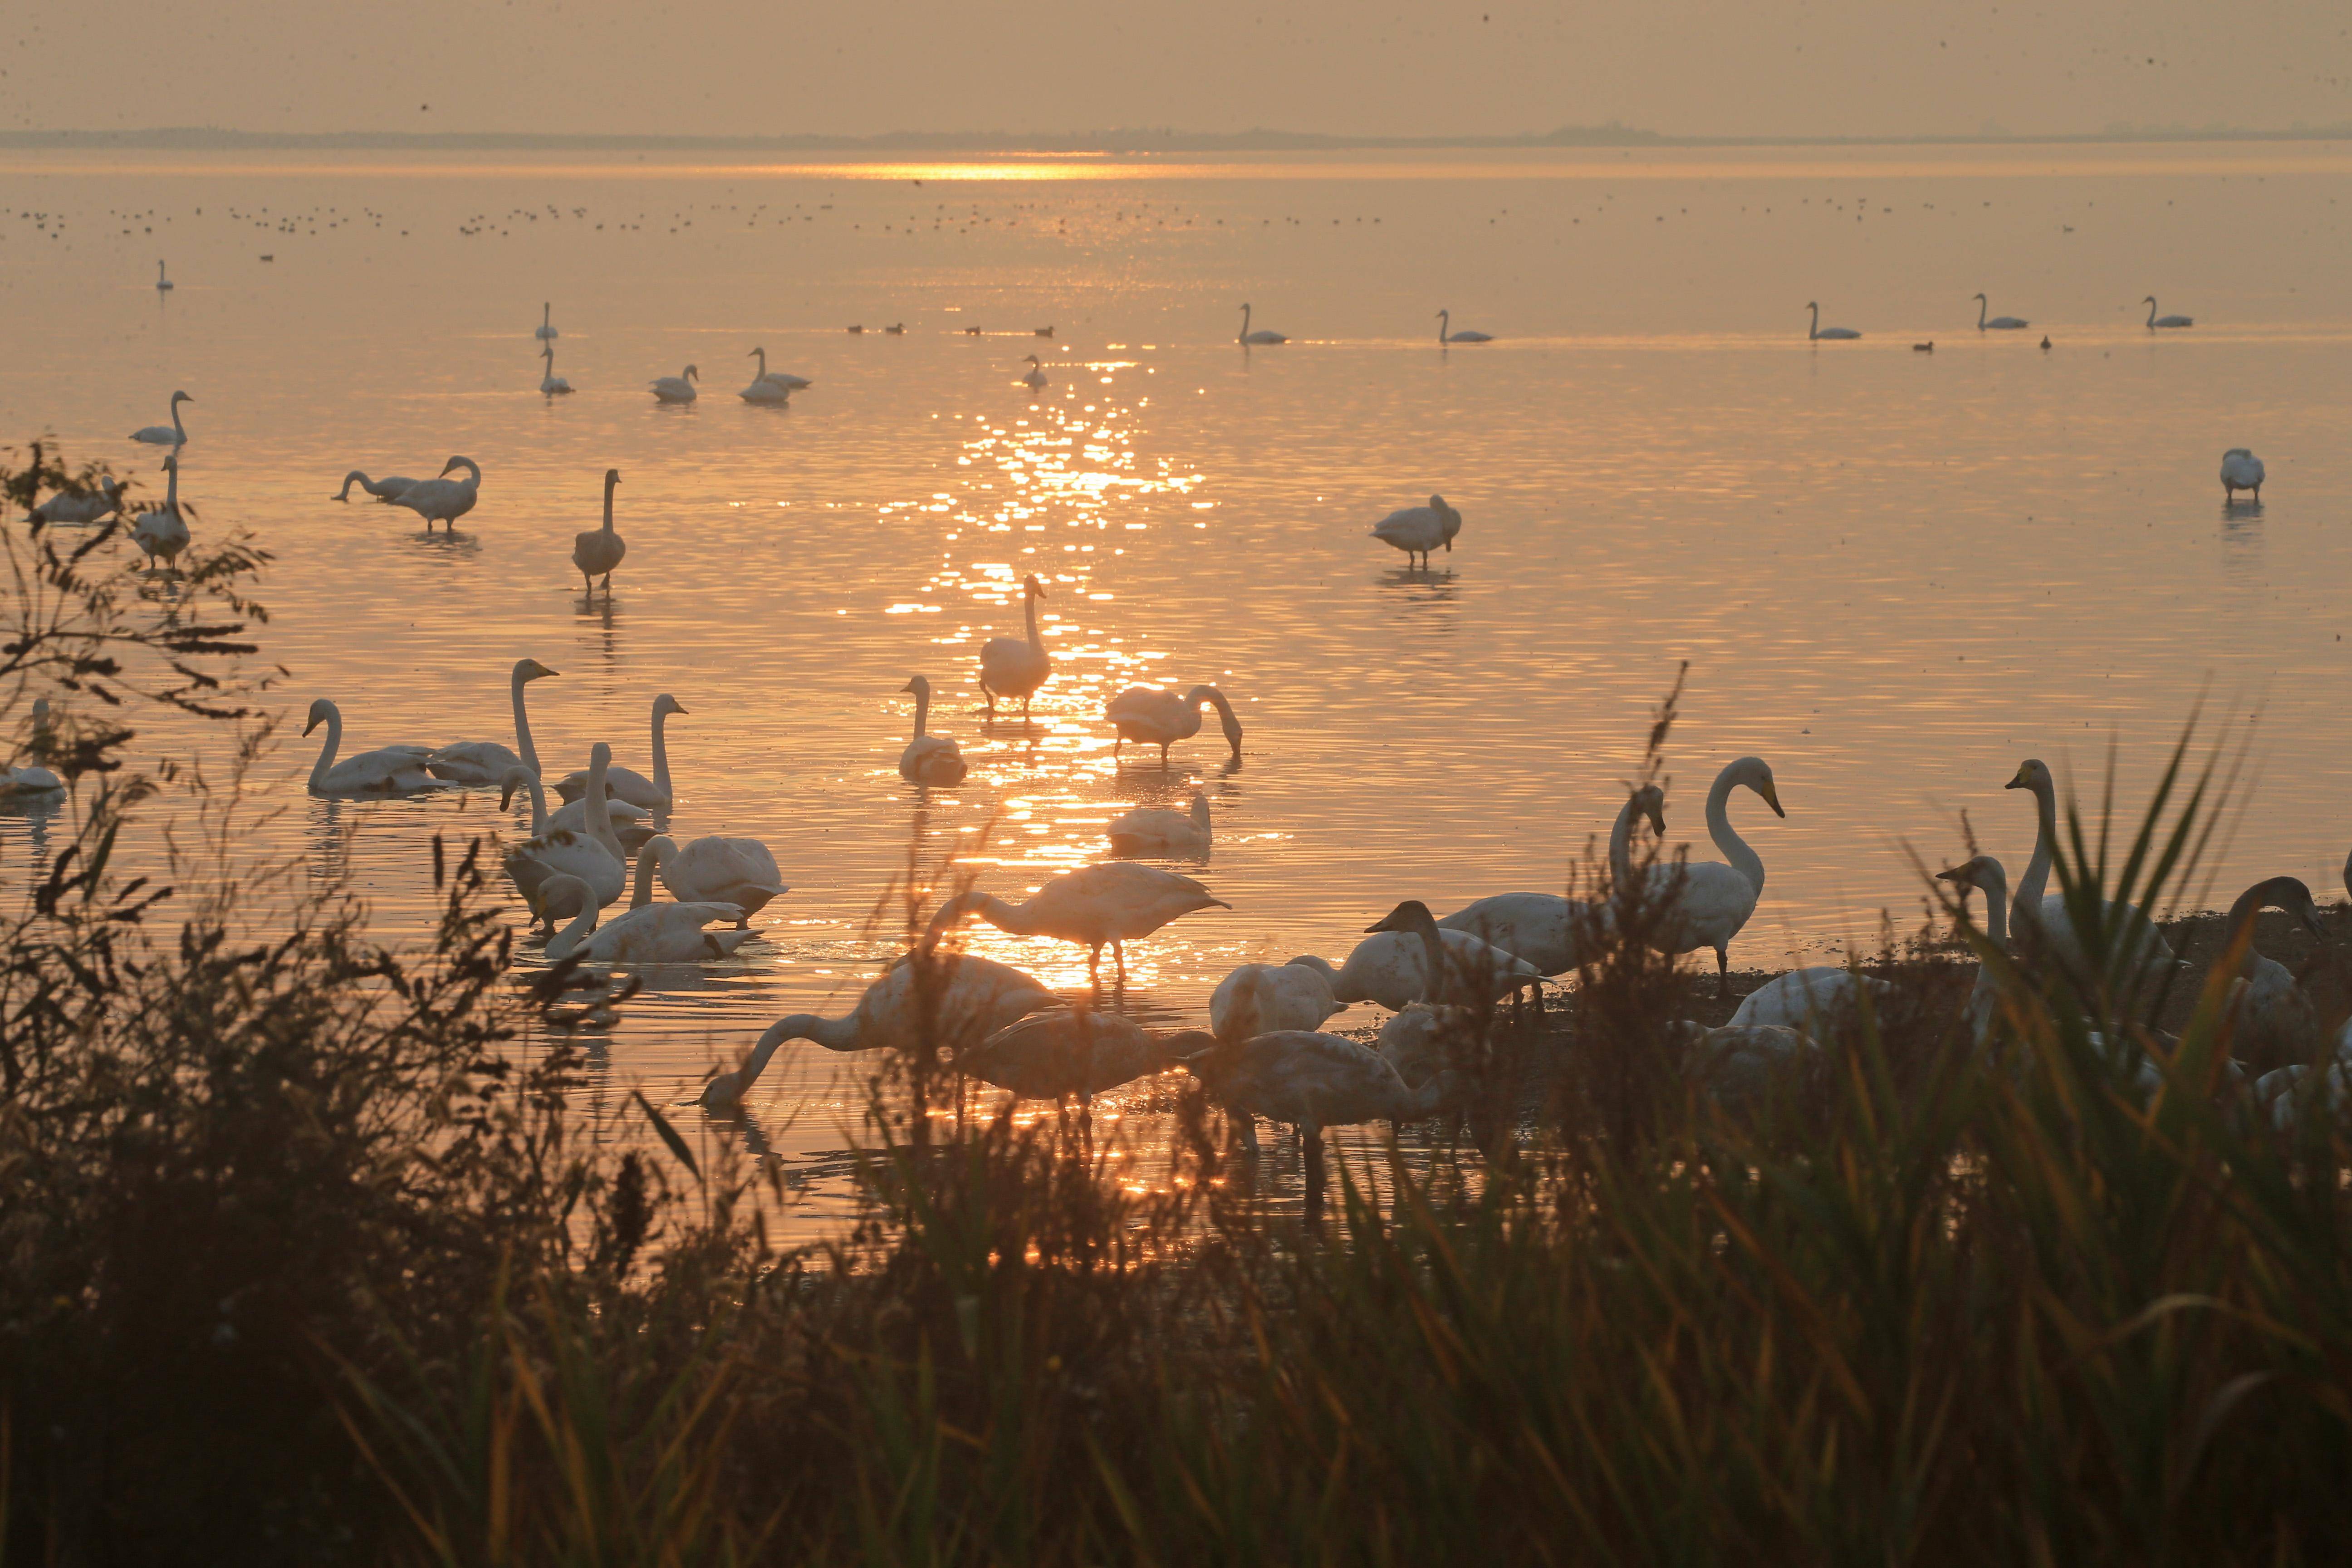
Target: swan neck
{"type": "Point", "coordinates": [2036, 880]}
{"type": "Point", "coordinates": [1744, 860]}
{"type": "Point", "coordinates": [569, 940]}
{"type": "Point", "coordinates": [1980, 312]}
{"type": "Point", "coordinates": [1621, 843]}
{"type": "Point", "coordinates": [181, 431]}
{"type": "Point", "coordinates": [1034, 640]}
{"type": "Point", "coordinates": [327, 751]}
{"type": "Point", "coordinates": [2251, 902]}
{"type": "Point", "coordinates": [538, 808]}
{"type": "Point", "coordinates": [922, 711]}
{"type": "Point", "coordinates": [608, 506]}
{"type": "Point", "coordinates": [1433, 953]}
{"type": "Point", "coordinates": [524, 746]}
{"type": "Point", "coordinates": [600, 824]}
{"type": "Point", "coordinates": [661, 751]}
{"type": "Point", "coordinates": [647, 857]}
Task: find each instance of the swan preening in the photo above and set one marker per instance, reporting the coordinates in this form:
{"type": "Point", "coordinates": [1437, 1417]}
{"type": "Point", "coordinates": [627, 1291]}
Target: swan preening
{"type": "Point", "coordinates": [442, 499]}
{"type": "Point", "coordinates": [1704, 903]}
{"type": "Point", "coordinates": [547, 332]}
{"type": "Point", "coordinates": [387, 769]}
{"type": "Point", "coordinates": [1999, 323]}
{"type": "Point", "coordinates": [1156, 830]}
{"type": "Point", "coordinates": [1418, 530]}
{"type": "Point", "coordinates": [163, 531]}
{"type": "Point", "coordinates": [1445, 319]}
{"type": "Point", "coordinates": [1259, 998]}
{"type": "Point", "coordinates": [389, 488]}
{"type": "Point", "coordinates": [553, 384]}
{"type": "Point", "coordinates": [81, 506]}
{"type": "Point", "coordinates": [163, 279]}
{"type": "Point", "coordinates": [627, 783]}
{"type": "Point", "coordinates": [1259, 336]}
{"type": "Point", "coordinates": [1160, 717]}
{"type": "Point", "coordinates": [929, 759]}
{"type": "Point", "coordinates": [2155, 321]}
{"type": "Point", "coordinates": [678, 388]}
{"type": "Point", "coordinates": [599, 550]}
{"type": "Point", "coordinates": [738, 872]}
{"type": "Point", "coordinates": [766, 388]}
{"type": "Point", "coordinates": [1819, 333]}
{"type": "Point", "coordinates": [480, 763]}
{"type": "Point", "coordinates": [172, 435]}
{"type": "Point", "coordinates": [1096, 907]}
{"type": "Point", "coordinates": [2240, 470]}
{"type": "Point", "coordinates": [1012, 666]}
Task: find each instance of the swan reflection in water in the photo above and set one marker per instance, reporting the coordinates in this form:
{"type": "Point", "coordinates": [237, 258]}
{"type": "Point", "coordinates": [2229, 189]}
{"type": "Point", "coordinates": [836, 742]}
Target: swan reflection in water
{"type": "Point", "coordinates": [2244, 546]}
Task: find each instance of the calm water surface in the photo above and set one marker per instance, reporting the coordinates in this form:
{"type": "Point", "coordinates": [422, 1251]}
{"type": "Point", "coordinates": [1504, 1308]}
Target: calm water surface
{"type": "Point", "coordinates": [1894, 573]}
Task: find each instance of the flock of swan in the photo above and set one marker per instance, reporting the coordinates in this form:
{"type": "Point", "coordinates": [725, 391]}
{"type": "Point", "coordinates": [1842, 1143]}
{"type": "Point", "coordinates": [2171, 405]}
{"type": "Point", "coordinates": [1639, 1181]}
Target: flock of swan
{"type": "Point", "coordinates": [1821, 334]}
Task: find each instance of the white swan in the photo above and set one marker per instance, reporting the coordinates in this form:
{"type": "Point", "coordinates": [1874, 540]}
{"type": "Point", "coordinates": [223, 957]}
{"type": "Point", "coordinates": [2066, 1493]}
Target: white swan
{"type": "Point", "coordinates": [782, 378]}
{"type": "Point", "coordinates": [172, 435]}
{"type": "Point", "coordinates": [442, 499]}
{"type": "Point", "coordinates": [646, 932]}
{"type": "Point", "coordinates": [547, 332]}
{"type": "Point", "coordinates": [765, 388]}
{"type": "Point", "coordinates": [1160, 717]}
{"type": "Point", "coordinates": [86, 506]}
{"type": "Point", "coordinates": [163, 531]}
{"type": "Point", "coordinates": [929, 759]}
{"type": "Point", "coordinates": [1035, 378]}
{"type": "Point", "coordinates": [1446, 320]}
{"type": "Point", "coordinates": [1010, 667]}
{"type": "Point", "coordinates": [1418, 530]}
{"type": "Point", "coordinates": [2269, 1015]}
{"type": "Point", "coordinates": [591, 851]}
{"type": "Point", "coordinates": [27, 779]}
{"type": "Point", "coordinates": [1819, 333]}
{"type": "Point", "coordinates": [1816, 1000]}
{"type": "Point", "coordinates": [2240, 470]}
{"type": "Point", "coordinates": [1094, 906]}
{"type": "Point", "coordinates": [480, 763]}
{"type": "Point", "coordinates": [2042, 916]}
{"type": "Point", "coordinates": [163, 280]}
{"type": "Point", "coordinates": [1984, 873]}
{"type": "Point", "coordinates": [1999, 323]}
{"type": "Point", "coordinates": [1060, 1052]}
{"type": "Point", "coordinates": [627, 783]}
{"type": "Point", "coordinates": [1448, 1025]}
{"type": "Point", "coordinates": [550, 384]}
{"type": "Point", "coordinates": [387, 769]}
{"type": "Point", "coordinates": [2155, 321]}
{"type": "Point", "coordinates": [1391, 968]}
{"type": "Point", "coordinates": [1704, 903]}
{"type": "Point", "coordinates": [715, 870]}
{"type": "Point", "coordinates": [1311, 1080]}
{"type": "Point", "coordinates": [1156, 830]}
{"type": "Point", "coordinates": [391, 487]}
{"type": "Point", "coordinates": [678, 388]}
{"type": "Point", "coordinates": [1300, 998]}
{"type": "Point", "coordinates": [949, 1001]}
{"type": "Point", "coordinates": [1548, 931]}
{"type": "Point", "coordinates": [1261, 335]}
{"type": "Point", "coordinates": [599, 550]}
{"type": "Point", "coordinates": [1736, 1064]}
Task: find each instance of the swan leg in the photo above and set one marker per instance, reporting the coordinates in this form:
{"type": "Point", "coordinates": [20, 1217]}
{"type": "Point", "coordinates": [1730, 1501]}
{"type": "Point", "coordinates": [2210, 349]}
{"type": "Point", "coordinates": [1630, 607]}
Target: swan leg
{"type": "Point", "coordinates": [1246, 1126]}
{"type": "Point", "coordinates": [1723, 973]}
{"type": "Point", "coordinates": [1310, 1139]}
{"type": "Point", "coordinates": [1163, 754]}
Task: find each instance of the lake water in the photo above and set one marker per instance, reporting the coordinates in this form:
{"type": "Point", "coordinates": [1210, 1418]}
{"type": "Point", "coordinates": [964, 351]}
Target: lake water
{"type": "Point", "coordinates": [1895, 574]}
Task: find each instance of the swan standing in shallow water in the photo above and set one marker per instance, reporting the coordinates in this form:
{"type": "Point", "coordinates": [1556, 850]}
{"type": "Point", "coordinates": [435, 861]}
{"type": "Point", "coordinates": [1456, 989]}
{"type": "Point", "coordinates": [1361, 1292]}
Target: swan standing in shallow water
{"type": "Point", "coordinates": [488, 761]}
{"type": "Point", "coordinates": [1094, 906]}
{"type": "Point", "coordinates": [2155, 321]}
{"type": "Point", "coordinates": [627, 783]}
{"type": "Point", "coordinates": [647, 932]}
{"type": "Point", "coordinates": [172, 435]}
{"type": "Point", "coordinates": [1999, 323]}
{"type": "Point", "coordinates": [599, 550]}
{"type": "Point", "coordinates": [562, 846]}
{"type": "Point", "coordinates": [163, 279]}
{"type": "Point", "coordinates": [553, 384]}
{"type": "Point", "coordinates": [1550, 931]}
{"type": "Point", "coordinates": [1704, 903]}
{"type": "Point", "coordinates": [678, 388]}
{"type": "Point", "coordinates": [389, 488]}
{"type": "Point", "coordinates": [1156, 830]}
{"type": "Point", "coordinates": [764, 388]}
{"type": "Point", "coordinates": [1300, 998]}
{"type": "Point", "coordinates": [736, 871]}
{"type": "Point", "coordinates": [2240, 470]}
{"type": "Point", "coordinates": [1159, 717]}
{"type": "Point", "coordinates": [1819, 333]}
{"type": "Point", "coordinates": [929, 759]}
{"type": "Point", "coordinates": [1445, 318]}
{"type": "Point", "coordinates": [1813, 1001]}
{"type": "Point", "coordinates": [547, 332]}
{"type": "Point", "coordinates": [387, 769]}
{"type": "Point", "coordinates": [1391, 968]}
{"type": "Point", "coordinates": [27, 779]}
{"type": "Point", "coordinates": [442, 499]}
{"type": "Point", "coordinates": [1010, 667]}
{"type": "Point", "coordinates": [1261, 335]}
{"type": "Point", "coordinates": [1418, 530]}
{"type": "Point", "coordinates": [163, 531]}
{"type": "Point", "coordinates": [2035, 913]}
{"type": "Point", "coordinates": [89, 506]}
{"type": "Point", "coordinates": [1059, 1052]}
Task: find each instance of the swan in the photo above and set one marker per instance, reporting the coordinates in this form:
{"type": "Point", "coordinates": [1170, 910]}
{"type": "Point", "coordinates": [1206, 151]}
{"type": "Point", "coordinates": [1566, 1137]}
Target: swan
{"type": "Point", "coordinates": [949, 1001]}
{"type": "Point", "coordinates": [764, 388]}
{"type": "Point", "coordinates": [599, 550]}
{"type": "Point", "coordinates": [676, 388]}
{"type": "Point", "coordinates": [1735, 1065]}
{"type": "Point", "coordinates": [2151, 958]}
{"type": "Point", "coordinates": [1813, 1000]}
{"type": "Point", "coordinates": [653, 793]}
{"type": "Point", "coordinates": [1035, 380]}
{"type": "Point", "coordinates": [1261, 335]}
{"type": "Point", "coordinates": [1311, 1080]}
{"type": "Point", "coordinates": [547, 332]}
{"type": "Point", "coordinates": [560, 843]}
{"type": "Point", "coordinates": [1446, 320]}
{"type": "Point", "coordinates": [2240, 470]}
{"type": "Point", "coordinates": [87, 506]}
{"type": "Point", "coordinates": [1094, 906]}
{"type": "Point", "coordinates": [31, 778]}
{"type": "Point", "coordinates": [646, 933]}
{"type": "Point", "coordinates": [1704, 903]}
{"type": "Point", "coordinates": [2155, 321]}
{"type": "Point", "coordinates": [172, 435]}
{"type": "Point", "coordinates": [1984, 873]}
{"type": "Point", "coordinates": [1160, 717]}
{"type": "Point", "coordinates": [553, 384]}
{"type": "Point", "coordinates": [479, 763]}
{"type": "Point", "coordinates": [1418, 530]}
{"type": "Point", "coordinates": [2267, 1009]}
{"type": "Point", "coordinates": [1300, 998]}
{"type": "Point", "coordinates": [1391, 968]}
{"type": "Point", "coordinates": [163, 283]}
{"type": "Point", "coordinates": [391, 487]}
{"type": "Point", "coordinates": [1450, 1021]}
{"type": "Point", "coordinates": [1155, 830]}
{"type": "Point", "coordinates": [929, 759]}
{"type": "Point", "coordinates": [782, 378]}
{"type": "Point", "coordinates": [1011, 667]}
{"type": "Point", "coordinates": [1819, 333]}
{"type": "Point", "coordinates": [715, 870]}
{"type": "Point", "coordinates": [1550, 931]}
{"type": "Point", "coordinates": [163, 531]}
{"type": "Point", "coordinates": [442, 499]}
{"type": "Point", "coordinates": [387, 769]}
{"type": "Point", "coordinates": [1058, 1052]}
{"type": "Point", "coordinates": [1999, 323]}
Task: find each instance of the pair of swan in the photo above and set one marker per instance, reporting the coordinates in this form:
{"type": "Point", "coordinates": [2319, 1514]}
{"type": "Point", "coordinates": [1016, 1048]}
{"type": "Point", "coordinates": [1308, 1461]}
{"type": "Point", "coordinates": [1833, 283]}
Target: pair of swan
{"type": "Point", "coordinates": [29, 780]}
{"type": "Point", "coordinates": [442, 499]}
{"type": "Point", "coordinates": [599, 550]}
{"type": "Point", "coordinates": [1418, 530]}
{"type": "Point", "coordinates": [2240, 470]}
{"type": "Point", "coordinates": [1156, 830]}
{"type": "Point", "coordinates": [1160, 717]}
{"type": "Point", "coordinates": [84, 506]}
{"type": "Point", "coordinates": [678, 388]}
{"type": "Point", "coordinates": [2156, 321]}
{"type": "Point", "coordinates": [586, 848]}
{"type": "Point", "coordinates": [550, 384]}
{"type": "Point", "coordinates": [1261, 336]}
{"type": "Point", "coordinates": [389, 488]}
{"type": "Point", "coordinates": [1821, 334]}
{"type": "Point", "coordinates": [1445, 318]}
{"type": "Point", "coordinates": [766, 387]}
{"type": "Point", "coordinates": [163, 533]}
{"type": "Point", "coordinates": [929, 759]}
{"type": "Point", "coordinates": [1035, 378]}
{"type": "Point", "coordinates": [1548, 931]}
{"type": "Point", "coordinates": [172, 435]}
{"type": "Point", "coordinates": [2140, 956]}
{"type": "Point", "coordinates": [1999, 323]}
{"type": "Point", "coordinates": [653, 793]}
{"type": "Point", "coordinates": [547, 332]}
{"type": "Point", "coordinates": [385, 770]}
{"type": "Point", "coordinates": [1015, 667]}
{"type": "Point", "coordinates": [1094, 906]}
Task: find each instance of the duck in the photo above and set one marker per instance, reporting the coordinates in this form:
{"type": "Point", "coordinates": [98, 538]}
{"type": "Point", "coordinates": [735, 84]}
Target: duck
{"type": "Point", "coordinates": [2240, 470]}
{"type": "Point", "coordinates": [764, 388]}
{"type": "Point", "coordinates": [1390, 967]}
{"type": "Point", "coordinates": [1261, 336]}
{"type": "Point", "coordinates": [172, 435]}
{"type": "Point", "coordinates": [718, 870]}
{"type": "Point", "coordinates": [1062, 1053]}
{"type": "Point", "coordinates": [1548, 931]}
{"type": "Point", "coordinates": [678, 388]}
{"type": "Point", "coordinates": [1011, 666]}
{"type": "Point", "coordinates": [547, 332]}
{"type": "Point", "coordinates": [1446, 320]}
{"type": "Point", "coordinates": [1821, 334]}
{"type": "Point", "coordinates": [1999, 323]}
{"type": "Point", "coordinates": [1418, 530]}
{"type": "Point", "coordinates": [2144, 957]}
{"type": "Point", "coordinates": [1258, 998]}
{"type": "Point", "coordinates": [387, 769]}
{"type": "Point", "coordinates": [897, 329]}
{"type": "Point", "coordinates": [550, 384]}
{"type": "Point", "coordinates": [81, 506]}
{"type": "Point", "coordinates": [31, 779]}
{"type": "Point", "coordinates": [482, 762]}
{"type": "Point", "coordinates": [653, 793]}
{"type": "Point", "coordinates": [163, 531]}
{"type": "Point", "coordinates": [1156, 830]}
{"type": "Point", "coordinates": [1161, 717]}
{"type": "Point", "coordinates": [929, 759]}
{"type": "Point", "coordinates": [599, 550]}
{"type": "Point", "coordinates": [564, 847]}
{"type": "Point", "coordinates": [2156, 321]}
{"type": "Point", "coordinates": [391, 487]}
{"type": "Point", "coordinates": [1035, 378]}
{"type": "Point", "coordinates": [646, 932]}
{"type": "Point", "coordinates": [1704, 903]}
{"type": "Point", "coordinates": [1094, 906]}
{"type": "Point", "coordinates": [1927, 348]}
{"type": "Point", "coordinates": [442, 499]}
{"type": "Point", "coordinates": [947, 1001]}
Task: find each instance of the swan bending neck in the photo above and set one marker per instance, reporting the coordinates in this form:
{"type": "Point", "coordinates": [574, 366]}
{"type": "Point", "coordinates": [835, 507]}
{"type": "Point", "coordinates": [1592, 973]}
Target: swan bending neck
{"type": "Point", "coordinates": [1744, 860]}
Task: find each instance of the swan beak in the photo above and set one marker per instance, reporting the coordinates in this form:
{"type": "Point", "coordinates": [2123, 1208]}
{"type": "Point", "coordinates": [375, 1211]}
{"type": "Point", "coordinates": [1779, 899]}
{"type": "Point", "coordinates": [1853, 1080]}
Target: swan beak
{"type": "Point", "coordinates": [1771, 795]}
{"type": "Point", "coordinates": [2310, 914]}
{"type": "Point", "coordinates": [311, 726]}
{"type": "Point", "coordinates": [1957, 876]}
{"type": "Point", "coordinates": [506, 798]}
{"type": "Point", "coordinates": [678, 710]}
{"type": "Point", "coordinates": [2020, 781]}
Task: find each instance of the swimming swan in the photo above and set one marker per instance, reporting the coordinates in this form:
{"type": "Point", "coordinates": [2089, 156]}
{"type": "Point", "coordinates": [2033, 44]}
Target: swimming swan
{"type": "Point", "coordinates": [676, 388]}
{"type": "Point", "coordinates": [1094, 906]}
{"type": "Point", "coordinates": [2155, 321]}
{"type": "Point", "coordinates": [647, 932]}
{"type": "Point", "coordinates": [1035, 379]}
{"type": "Point", "coordinates": [1010, 667]}
{"type": "Point", "coordinates": [547, 332]}
{"type": "Point", "coordinates": [391, 487]}
{"type": "Point", "coordinates": [1704, 903]}
{"type": "Point", "coordinates": [1819, 333]}
{"type": "Point", "coordinates": [782, 378]}
{"type": "Point", "coordinates": [599, 550]}
{"type": "Point", "coordinates": [1261, 335]}
{"type": "Point", "coordinates": [1445, 319]}
{"type": "Point", "coordinates": [1156, 830]}
{"type": "Point", "coordinates": [25, 780]}
{"type": "Point", "coordinates": [172, 435]}
{"type": "Point", "coordinates": [560, 847]}
{"type": "Point", "coordinates": [1545, 929]}
{"type": "Point", "coordinates": [1999, 323]}
{"type": "Point", "coordinates": [715, 870]}
{"type": "Point", "coordinates": [387, 769]}
{"type": "Point", "coordinates": [627, 783]}
{"type": "Point", "coordinates": [929, 759]}
{"type": "Point", "coordinates": [479, 763]}
{"type": "Point", "coordinates": [553, 384]}
{"type": "Point", "coordinates": [1159, 717]}
{"type": "Point", "coordinates": [765, 388]}
{"type": "Point", "coordinates": [87, 506]}
{"type": "Point", "coordinates": [442, 499]}
{"type": "Point", "coordinates": [1418, 530]}
{"type": "Point", "coordinates": [163, 280]}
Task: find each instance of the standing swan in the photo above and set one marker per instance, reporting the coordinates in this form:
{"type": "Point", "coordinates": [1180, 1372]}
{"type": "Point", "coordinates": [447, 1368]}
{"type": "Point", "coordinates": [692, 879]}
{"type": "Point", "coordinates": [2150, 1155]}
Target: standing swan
{"type": "Point", "coordinates": [598, 551]}
{"type": "Point", "coordinates": [163, 279]}
{"type": "Point", "coordinates": [2240, 470]}
{"type": "Point", "coordinates": [1704, 903]}
{"type": "Point", "coordinates": [1418, 530]}
{"type": "Point", "coordinates": [488, 761]}
{"type": "Point", "coordinates": [1819, 333]}
{"type": "Point", "coordinates": [442, 499]}
{"type": "Point", "coordinates": [389, 488]}
{"type": "Point", "coordinates": [676, 388]}
{"type": "Point", "coordinates": [765, 388]}
{"type": "Point", "coordinates": [550, 384]}
{"type": "Point", "coordinates": [627, 783]}
{"type": "Point", "coordinates": [172, 435]}
{"type": "Point", "coordinates": [1011, 667]}
{"type": "Point", "coordinates": [1545, 929]}
{"type": "Point", "coordinates": [1261, 335]}
{"type": "Point", "coordinates": [1999, 323]}
{"type": "Point", "coordinates": [2155, 321]}
{"type": "Point", "coordinates": [929, 759]}
{"type": "Point", "coordinates": [387, 769]}
{"type": "Point", "coordinates": [2035, 913]}
{"type": "Point", "coordinates": [164, 531]}
{"type": "Point", "coordinates": [1094, 906]}
{"type": "Point", "coordinates": [1157, 717]}
{"type": "Point", "coordinates": [547, 332]}
{"type": "Point", "coordinates": [1445, 318]}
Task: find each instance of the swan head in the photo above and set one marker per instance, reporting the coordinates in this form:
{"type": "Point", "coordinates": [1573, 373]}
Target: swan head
{"type": "Point", "coordinates": [454, 464]}
{"type": "Point", "coordinates": [1411, 915]}
{"type": "Point", "coordinates": [2032, 773]}
{"type": "Point", "coordinates": [1757, 775]}
{"type": "Point", "coordinates": [917, 686]}
{"type": "Point", "coordinates": [513, 780]}
{"type": "Point", "coordinates": [180, 397]}
{"type": "Point", "coordinates": [321, 712]}
{"type": "Point", "coordinates": [664, 704]}
{"type": "Point", "coordinates": [1983, 872]}
{"type": "Point", "coordinates": [1980, 298]}
{"type": "Point", "coordinates": [1812, 304]}
{"type": "Point", "coordinates": [171, 464]}
{"type": "Point", "coordinates": [599, 758]}
{"type": "Point", "coordinates": [532, 670]}
{"type": "Point", "coordinates": [1035, 589]}
{"type": "Point", "coordinates": [612, 478]}
{"type": "Point", "coordinates": [1650, 801]}
{"type": "Point", "coordinates": [2149, 300]}
{"type": "Point", "coordinates": [692, 373]}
